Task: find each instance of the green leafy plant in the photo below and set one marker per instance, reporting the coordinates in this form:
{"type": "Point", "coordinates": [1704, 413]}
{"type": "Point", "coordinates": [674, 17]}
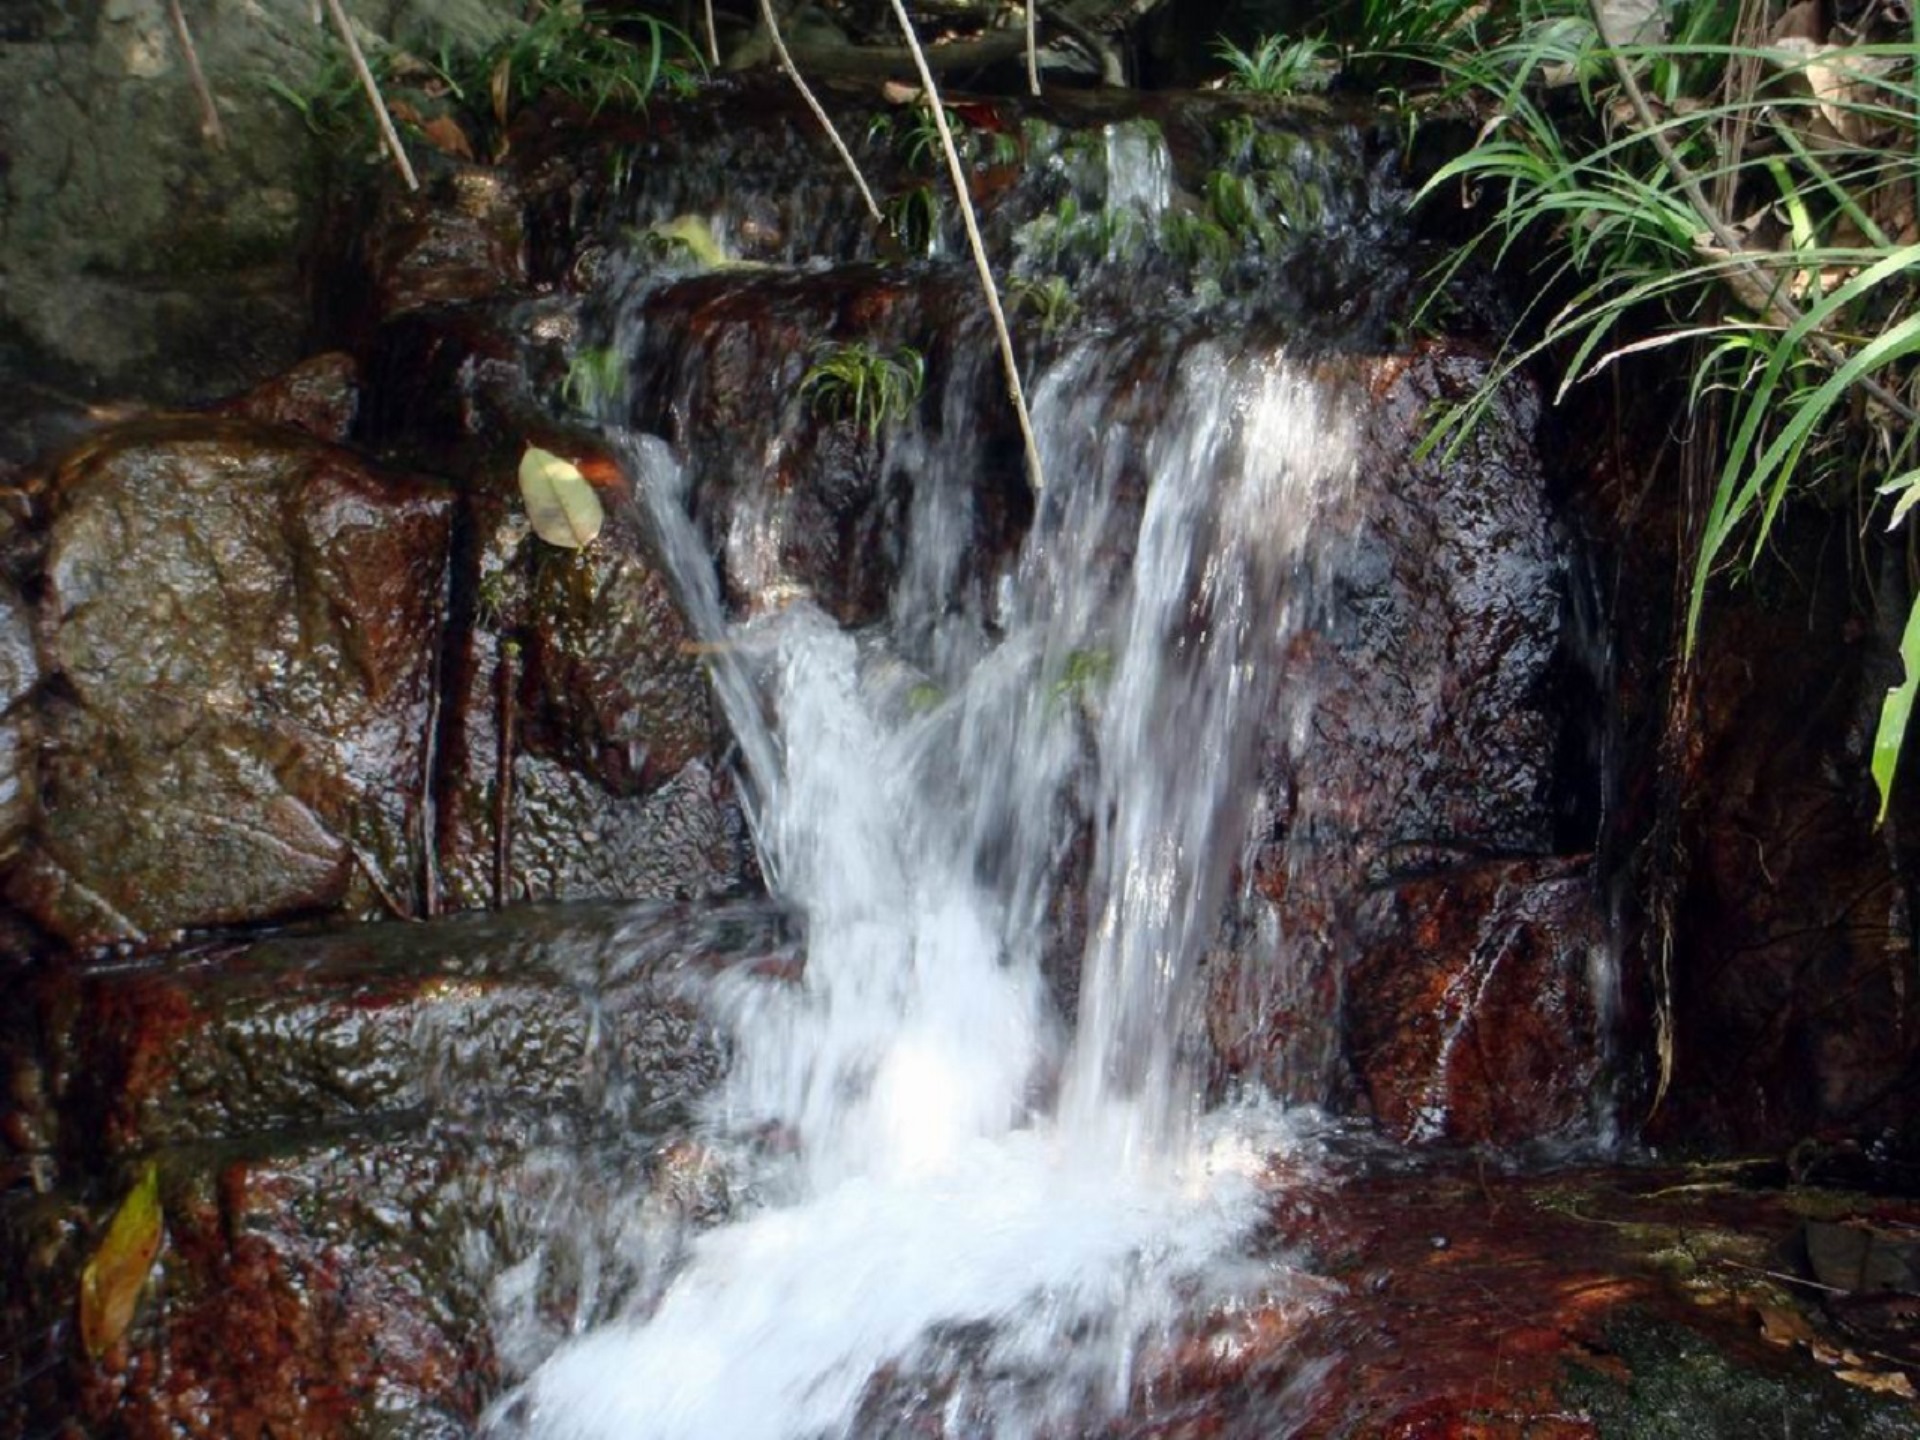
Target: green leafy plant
{"type": "Point", "coordinates": [1071, 236]}
{"type": "Point", "coordinates": [565, 50]}
{"type": "Point", "coordinates": [1051, 299]}
{"type": "Point", "coordinates": [594, 376]}
{"type": "Point", "coordinates": [861, 383]}
{"type": "Point", "coordinates": [1239, 209]}
{"type": "Point", "coordinates": [1196, 240]}
{"type": "Point", "coordinates": [1738, 206]}
{"type": "Point", "coordinates": [1084, 673]}
{"type": "Point", "coordinates": [921, 138]}
{"type": "Point", "coordinates": [913, 219]}
{"type": "Point", "coordinates": [330, 103]}
{"type": "Point", "coordinates": [1277, 66]}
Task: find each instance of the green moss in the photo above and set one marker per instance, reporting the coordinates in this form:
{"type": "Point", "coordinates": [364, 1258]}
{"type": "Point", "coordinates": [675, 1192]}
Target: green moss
{"type": "Point", "coordinates": [1680, 1387]}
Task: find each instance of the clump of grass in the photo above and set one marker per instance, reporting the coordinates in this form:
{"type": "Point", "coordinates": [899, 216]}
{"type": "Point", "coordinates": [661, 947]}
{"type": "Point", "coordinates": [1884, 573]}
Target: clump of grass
{"type": "Point", "coordinates": [1737, 205]}
{"type": "Point", "coordinates": [860, 382]}
{"type": "Point", "coordinates": [1050, 299]}
{"type": "Point", "coordinates": [1278, 67]}
{"type": "Point", "coordinates": [565, 51]}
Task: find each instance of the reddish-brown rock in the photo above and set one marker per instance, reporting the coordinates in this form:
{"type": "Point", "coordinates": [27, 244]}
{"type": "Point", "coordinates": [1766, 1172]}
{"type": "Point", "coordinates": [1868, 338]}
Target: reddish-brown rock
{"type": "Point", "coordinates": [1477, 1008]}
{"type": "Point", "coordinates": [241, 624]}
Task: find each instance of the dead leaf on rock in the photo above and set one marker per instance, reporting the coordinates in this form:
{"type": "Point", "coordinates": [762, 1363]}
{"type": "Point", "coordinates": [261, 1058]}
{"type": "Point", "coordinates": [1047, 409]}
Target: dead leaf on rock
{"type": "Point", "coordinates": [561, 504]}
{"type": "Point", "coordinates": [110, 1285]}
{"type": "Point", "coordinates": [443, 132]}
{"type": "Point", "coordinates": [1782, 1326]}
{"type": "Point", "coordinates": [1881, 1382]}
{"type": "Point", "coordinates": [1800, 21]}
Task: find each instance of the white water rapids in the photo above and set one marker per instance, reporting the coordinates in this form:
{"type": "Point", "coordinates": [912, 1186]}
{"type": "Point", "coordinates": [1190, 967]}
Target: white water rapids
{"type": "Point", "coordinates": [954, 1181]}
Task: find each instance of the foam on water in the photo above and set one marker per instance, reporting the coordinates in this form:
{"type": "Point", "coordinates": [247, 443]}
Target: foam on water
{"type": "Point", "coordinates": [946, 1156]}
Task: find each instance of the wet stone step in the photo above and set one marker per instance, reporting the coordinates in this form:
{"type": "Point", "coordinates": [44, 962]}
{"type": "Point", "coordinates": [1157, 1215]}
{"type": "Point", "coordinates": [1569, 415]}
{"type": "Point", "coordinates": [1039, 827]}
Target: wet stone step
{"type": "Point", "coordinates": [355, 1139]}
{"type": "Point", "coordinates": [592, 1009]}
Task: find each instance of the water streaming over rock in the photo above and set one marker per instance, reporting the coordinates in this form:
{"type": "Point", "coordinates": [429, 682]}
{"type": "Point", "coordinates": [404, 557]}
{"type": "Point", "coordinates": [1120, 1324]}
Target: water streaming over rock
{"type": "Point", "coordinates": [1007, 757]}
{"type": "Point", "coordinates": [946, 1151]}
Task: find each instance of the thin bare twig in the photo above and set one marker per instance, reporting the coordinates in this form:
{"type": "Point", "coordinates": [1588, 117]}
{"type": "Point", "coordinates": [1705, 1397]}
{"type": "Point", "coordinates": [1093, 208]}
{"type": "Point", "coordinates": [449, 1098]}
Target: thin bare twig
{"type": "Point", "coordinates": [379, 886]}
{"type": "Point", "coordinates": [713, 38]}
{"type": "Point", "coordinates": [389, 136]}
{"type": "Point", "coordinates": [1033, 46]}
{"type": "Point", "coordinates": [210, 126]}
{"type": "Point", "coordinates": [819, 111]}
{"type": "Point", "coordinates": [989, 289]}
{"type": "Point", "coordinates": [504, 691]}
{"type": "Point", "coordinates": [1780, 309]}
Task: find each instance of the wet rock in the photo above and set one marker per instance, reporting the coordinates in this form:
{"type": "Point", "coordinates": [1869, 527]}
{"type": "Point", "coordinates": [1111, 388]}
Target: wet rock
{"type": "Point", "coordinates": [243, 624]}
{"type": "Point", "coordinates": [1418, 736]}
{"type": "Point", "coordinates": [139, 256]}
{"type": "Point", "coordinates": [1477, 1006]}
{"type": "Point", "coordinates": [1431, 706]}
{"type": "Point", "coordinates": [459, 239]}
{"type": "Point", "coordinates": [1771, 919]}
{"type": "Point", "coordinates": [320, 395]}
{"type": "Point", "coordinates": [541, 1010]}
{"type": "Point", "coordinates": [19, 730]}
{"type": "Point", "coordinates": [1793, 1004]}
{"type": "Point", "coordinates": [590, 749]}
{"type": "Point", "coordinates": [357, 1133]}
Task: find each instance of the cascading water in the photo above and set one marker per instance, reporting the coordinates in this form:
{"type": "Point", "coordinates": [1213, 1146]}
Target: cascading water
{"type": "Point", "coordinates": [953, 1162]}
{"type": "Point", "coordinates": [947, 1178]}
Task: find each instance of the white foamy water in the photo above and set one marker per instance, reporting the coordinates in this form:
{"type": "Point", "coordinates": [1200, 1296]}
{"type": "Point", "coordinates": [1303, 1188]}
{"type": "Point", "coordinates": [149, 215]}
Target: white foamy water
{"type": "Point", "coordinates": [949, 1157]}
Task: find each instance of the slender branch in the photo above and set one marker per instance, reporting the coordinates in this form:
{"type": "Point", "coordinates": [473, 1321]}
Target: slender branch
{"type": "Point", "coordinates": [1033, 46]}
{"type": "Point", "coordinates": [210, 125]}
{"type": "Point", "coordinates": [504, 690]}
{"type": "Point", "coordinates": [1779, 308]}
{"type": "Point", "coordinates": [389, 136]}
{"type": "Point", "coordinates": [990, 290]}
{"type": "Point", "coordinates": [819, 112]}
{"type": "Point", "coordinates": [713, 38]}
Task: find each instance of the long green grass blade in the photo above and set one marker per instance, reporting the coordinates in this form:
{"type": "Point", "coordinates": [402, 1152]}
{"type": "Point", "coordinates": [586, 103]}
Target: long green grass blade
{"type": "Point", "coordinates": [1895, 711]}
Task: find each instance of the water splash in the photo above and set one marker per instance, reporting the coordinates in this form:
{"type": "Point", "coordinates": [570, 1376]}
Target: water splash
{"type": "Point", "coordinates": [930, 1153]}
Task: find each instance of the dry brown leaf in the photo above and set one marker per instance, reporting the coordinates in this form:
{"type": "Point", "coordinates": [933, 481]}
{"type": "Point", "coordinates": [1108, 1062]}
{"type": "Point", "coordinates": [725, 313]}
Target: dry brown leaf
{"type": "Point", "coordinates": [500, 84]}
{"type": "Point", "coordinates": [443, 132]}
{"type": "Point", "coordinates": [1798, 22]}
{"type": "Point", "coordinates": [1632, 22]}
{"type": "Point", "coordinates": [110, 1285]}
{"type": "Point", "coordinates": [1881, 1382]}
{"type": "Point", "coordinates": [1782, 1326]}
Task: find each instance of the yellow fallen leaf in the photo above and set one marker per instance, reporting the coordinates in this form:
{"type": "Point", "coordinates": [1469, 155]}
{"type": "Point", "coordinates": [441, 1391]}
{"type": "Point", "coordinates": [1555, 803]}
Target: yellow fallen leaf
{"type": "Point", "coordinates": [1881, 1382]}
{"type": "Point", "coordinates": [110, 1285]}
{"type": "Point", "coordinates": [561, 504]}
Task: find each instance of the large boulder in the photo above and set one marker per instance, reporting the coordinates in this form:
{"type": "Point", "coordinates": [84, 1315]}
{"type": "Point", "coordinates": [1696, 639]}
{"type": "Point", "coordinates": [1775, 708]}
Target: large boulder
{"type": "Point", "coordinates": [1390, 926]}
{"type": "Point", "coordinates": [140, 256]}
{"type": "Point", "coordinates": [241, 625]}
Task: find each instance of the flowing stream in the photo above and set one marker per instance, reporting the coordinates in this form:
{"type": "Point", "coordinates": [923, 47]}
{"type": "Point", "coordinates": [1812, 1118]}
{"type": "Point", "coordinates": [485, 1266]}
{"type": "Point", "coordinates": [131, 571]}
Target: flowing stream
{"type": "Point", "coordinates": [1000, 1210]}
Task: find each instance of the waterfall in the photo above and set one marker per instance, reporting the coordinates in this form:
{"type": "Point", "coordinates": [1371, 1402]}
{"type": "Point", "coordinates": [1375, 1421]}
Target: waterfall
{"type": "Point", "coordinates": [939, 1153]}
